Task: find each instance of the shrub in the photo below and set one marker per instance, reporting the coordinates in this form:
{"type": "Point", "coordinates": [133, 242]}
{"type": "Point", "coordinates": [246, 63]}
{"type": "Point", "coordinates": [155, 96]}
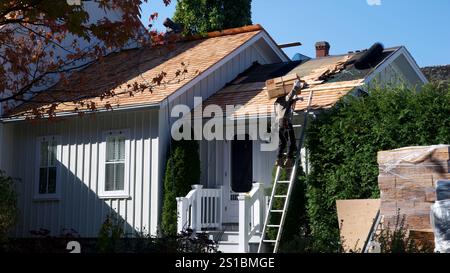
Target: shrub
{"type": "Point", "coordinates": [110, 234]}
{"type": "Point", "coordinates": [396, 239]}
{"type": "Point", "coordinates": [8, 206]}
{"type": "Point", "coordinates": [343, 143]}
{"type": "Point", "coordinates": [182, 171]}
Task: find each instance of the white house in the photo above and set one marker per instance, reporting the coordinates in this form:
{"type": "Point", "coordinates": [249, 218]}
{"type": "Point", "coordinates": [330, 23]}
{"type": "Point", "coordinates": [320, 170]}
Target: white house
{"type": "Point", "coordinates": [75, 170]}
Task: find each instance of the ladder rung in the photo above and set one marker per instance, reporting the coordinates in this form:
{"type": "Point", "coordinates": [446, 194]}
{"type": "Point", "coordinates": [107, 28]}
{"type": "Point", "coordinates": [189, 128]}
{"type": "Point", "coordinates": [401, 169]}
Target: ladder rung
{"type": "Point", "coordinates": [280, 196]}
{"type": "Point", "coordinates": [269, 241]}
{"type": "Point", "coordinates": [297, 126]}
{"type": "Point", "coordinates": [277, 210]}
{"type": "Point", "coordinates": [277, 226]}
{"type": "Point", "coordinates": [284, 182]}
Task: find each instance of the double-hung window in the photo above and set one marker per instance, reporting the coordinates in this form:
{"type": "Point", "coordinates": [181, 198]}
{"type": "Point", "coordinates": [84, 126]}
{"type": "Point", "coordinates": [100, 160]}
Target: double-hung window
{"type": "Point", "coordinates": [48, 151]}
{"type": "Point", "coordinates": [114, 164]}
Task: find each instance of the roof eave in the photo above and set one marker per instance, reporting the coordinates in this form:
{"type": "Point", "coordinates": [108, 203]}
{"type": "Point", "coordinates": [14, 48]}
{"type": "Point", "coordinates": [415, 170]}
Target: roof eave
{"type": "Point", "coordinates": [119, 108]}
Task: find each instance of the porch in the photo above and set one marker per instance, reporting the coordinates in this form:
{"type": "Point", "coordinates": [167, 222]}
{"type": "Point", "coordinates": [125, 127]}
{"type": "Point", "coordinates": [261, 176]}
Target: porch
{"type": "Point", "coordinates": [202, 211]}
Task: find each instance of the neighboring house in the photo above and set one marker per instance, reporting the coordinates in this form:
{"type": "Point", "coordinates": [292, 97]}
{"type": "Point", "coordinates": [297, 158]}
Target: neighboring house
{"type": "Point", "coordinates": [74, 170]}
{"type": "Point", "coordinates": [437, 73]}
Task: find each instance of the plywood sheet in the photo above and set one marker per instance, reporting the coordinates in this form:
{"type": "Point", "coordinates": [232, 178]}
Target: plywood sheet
{"type": "Point", "coordinates": [356, 218]}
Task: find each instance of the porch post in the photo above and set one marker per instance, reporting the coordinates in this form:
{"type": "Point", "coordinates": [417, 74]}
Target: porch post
{"type": "Point", "coordinates": [220, 215]}
{"type": "Point", "coordinates": [262, 207]}
{"type": "Point", "coordinates": [197, 218]}
{"type": "Point", "coordinates": [181, 215]}
{"type": "Point", "coordinates": [243, 223]}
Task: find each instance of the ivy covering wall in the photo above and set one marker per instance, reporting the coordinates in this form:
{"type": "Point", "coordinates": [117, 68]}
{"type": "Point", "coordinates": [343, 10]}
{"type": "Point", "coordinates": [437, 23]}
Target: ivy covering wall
{"type": "Point", "coordinates": [343, 143]}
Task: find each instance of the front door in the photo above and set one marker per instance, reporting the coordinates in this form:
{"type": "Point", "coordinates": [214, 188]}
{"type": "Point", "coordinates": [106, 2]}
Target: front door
{"type": "Point", "coordinates": [239, 163]}
{"type": "Point", "coordinates": [242, 165]}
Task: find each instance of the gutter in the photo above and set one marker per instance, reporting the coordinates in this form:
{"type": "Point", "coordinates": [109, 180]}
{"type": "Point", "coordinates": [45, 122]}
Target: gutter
{"type": "Point", "coordinates": [103, 110]}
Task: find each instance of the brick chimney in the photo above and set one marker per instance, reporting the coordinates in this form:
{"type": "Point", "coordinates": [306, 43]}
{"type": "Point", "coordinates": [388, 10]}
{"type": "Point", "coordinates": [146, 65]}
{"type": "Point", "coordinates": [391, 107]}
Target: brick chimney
{"type": "Point", "coordinates": [322, 49]}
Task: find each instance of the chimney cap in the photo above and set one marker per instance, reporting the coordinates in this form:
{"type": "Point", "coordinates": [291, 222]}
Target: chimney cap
{"type": "Point", "coordinates": [323, 44]}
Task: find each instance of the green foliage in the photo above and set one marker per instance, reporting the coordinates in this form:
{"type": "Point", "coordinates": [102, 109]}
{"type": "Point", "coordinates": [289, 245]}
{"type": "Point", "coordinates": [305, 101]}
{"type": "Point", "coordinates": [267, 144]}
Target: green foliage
{"type": "Point", "coordinates": [110, 234]}
{"type": "Point", "coordinates": [8, 205]}
{"type": "Point", "coordinates": [343, 143]}
{"type": "Point", "coordinates": [201, 16]}
{"type": "Point", "coordinates": [112, 239]}
{"type": "Point", "coordinates": [182, 171]}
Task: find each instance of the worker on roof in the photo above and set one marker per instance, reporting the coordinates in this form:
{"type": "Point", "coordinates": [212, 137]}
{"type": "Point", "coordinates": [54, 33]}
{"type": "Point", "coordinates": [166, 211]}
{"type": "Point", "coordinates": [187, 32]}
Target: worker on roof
{"type": "Point", "coordinates": [284, 111]}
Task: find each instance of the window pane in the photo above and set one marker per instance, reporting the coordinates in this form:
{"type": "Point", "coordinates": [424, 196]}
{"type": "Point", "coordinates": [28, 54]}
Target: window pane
{"type": "Point", "coordinates": [109, 177]}
{"type": "Point", "coordinates": [43, 180]}
{"type": "Point", "coordinates": [115, 149]}
{"type": "Point", "coordinates": [121, 149]}
{"type": "Point", "coordinates": [52, 153]}
{"type": "Point", "coordinates": [44, 154]}
{"type": "Point", "coordinates": [120, 176]}
{"type": "Point", "coordinates": [110, 149]}
{"type": "Point", "coordinates": [52, 180]}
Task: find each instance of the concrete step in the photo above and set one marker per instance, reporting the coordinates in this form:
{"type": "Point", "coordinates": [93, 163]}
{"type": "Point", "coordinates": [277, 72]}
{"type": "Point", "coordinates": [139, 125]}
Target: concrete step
{"type": "Point", "coordinates": [228, 247]}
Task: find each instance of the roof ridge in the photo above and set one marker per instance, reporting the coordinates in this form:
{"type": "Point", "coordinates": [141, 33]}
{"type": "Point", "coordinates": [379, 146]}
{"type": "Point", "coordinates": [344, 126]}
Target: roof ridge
{"type": "Point", "coordinates": [224, 32]}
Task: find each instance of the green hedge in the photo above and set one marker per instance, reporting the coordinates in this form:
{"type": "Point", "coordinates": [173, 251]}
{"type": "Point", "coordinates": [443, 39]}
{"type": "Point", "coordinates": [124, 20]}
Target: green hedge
{"type": "Point", "coordinates": [343, 143]}
{"type": "Point", "coordinates": [182, 171]}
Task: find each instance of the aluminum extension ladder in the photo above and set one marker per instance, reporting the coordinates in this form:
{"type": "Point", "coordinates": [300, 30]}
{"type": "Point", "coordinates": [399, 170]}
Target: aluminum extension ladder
{"type": "Point", "coordinates": [264, 241]}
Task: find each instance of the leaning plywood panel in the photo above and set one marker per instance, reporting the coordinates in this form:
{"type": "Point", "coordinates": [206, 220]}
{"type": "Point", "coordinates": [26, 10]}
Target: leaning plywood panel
{"type": "Point", "coordinates": [356, 218]}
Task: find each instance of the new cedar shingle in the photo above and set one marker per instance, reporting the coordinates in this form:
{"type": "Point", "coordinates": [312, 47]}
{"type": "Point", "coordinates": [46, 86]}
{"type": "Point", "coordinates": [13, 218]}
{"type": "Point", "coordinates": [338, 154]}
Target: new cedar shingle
{"type": "Point", "coordinates": [118, 71]}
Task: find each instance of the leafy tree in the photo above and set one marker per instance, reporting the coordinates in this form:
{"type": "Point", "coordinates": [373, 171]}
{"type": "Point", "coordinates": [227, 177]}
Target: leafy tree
{"type": "Point", "coordinates": [43, 40]}
{"type": "Point", "coordinates": [182, 171]}
{"type": "Point", "coordinates": [343, 143]}
{"type": "Point", "coordinates": [201, 16]}
{"type": "Point", "coordinates": [8, 205]}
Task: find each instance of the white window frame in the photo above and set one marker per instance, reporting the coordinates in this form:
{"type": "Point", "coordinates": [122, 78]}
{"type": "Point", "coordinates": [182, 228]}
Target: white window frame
{"type": "Point", "coordinates": [48, 196]}
{"type": "Point", "coordinates": [121, 194]}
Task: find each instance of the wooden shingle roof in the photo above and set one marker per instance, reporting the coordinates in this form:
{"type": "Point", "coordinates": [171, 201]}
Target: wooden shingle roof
{"type": "Point", "coordinates": [118, 72]}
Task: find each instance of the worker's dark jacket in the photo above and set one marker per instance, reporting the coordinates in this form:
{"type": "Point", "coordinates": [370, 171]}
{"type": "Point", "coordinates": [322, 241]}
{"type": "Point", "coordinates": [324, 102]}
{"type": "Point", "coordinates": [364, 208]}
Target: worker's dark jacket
{"type": "Point", "coordinates": [283, 108]}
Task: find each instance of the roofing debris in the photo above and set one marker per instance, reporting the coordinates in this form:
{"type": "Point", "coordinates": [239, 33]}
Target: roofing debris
{"type": "Point", "coordinates": [282, 85]}
{"type": "Point", "coordinates": [331, 78]}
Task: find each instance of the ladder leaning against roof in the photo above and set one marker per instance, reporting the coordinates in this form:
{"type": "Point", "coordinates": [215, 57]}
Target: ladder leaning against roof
{"type": "Point", "coordinates": [265, 241]}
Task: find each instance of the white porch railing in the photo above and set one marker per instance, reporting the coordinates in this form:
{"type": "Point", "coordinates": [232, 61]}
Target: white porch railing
{"type": "Point", "coordinates": [201, 208]}
{"type": "Point", "coordinates": [252, 207]}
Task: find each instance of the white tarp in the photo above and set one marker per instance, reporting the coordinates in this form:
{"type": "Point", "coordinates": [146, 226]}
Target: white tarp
{"type": "Point", "coordinates": [440, 217]}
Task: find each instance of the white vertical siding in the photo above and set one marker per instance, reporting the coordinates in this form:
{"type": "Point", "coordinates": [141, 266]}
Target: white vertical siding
{"type": "Point", "coordinates": [263, 164]}
{"type": "Point", "coordinates": [206, 88]}
{"type": "Point", "coordinates": [79, 206]}
{"type": "Point", "coordinates": [211, 154]}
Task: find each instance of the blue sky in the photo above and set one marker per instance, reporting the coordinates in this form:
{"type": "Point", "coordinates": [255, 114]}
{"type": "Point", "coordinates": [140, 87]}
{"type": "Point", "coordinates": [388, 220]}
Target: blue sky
{"type": "Point", "coordinates": [422, 26]}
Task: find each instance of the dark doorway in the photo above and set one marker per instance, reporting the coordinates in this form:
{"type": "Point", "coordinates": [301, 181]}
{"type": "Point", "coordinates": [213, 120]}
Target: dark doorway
{"type": "Point", "coordinates": [242, 165]}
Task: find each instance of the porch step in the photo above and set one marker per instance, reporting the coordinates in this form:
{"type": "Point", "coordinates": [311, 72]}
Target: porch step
{"type": "Point", "coordinates": [229, 242]}
{"type": "Point", "coordinates": [227, 247]}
